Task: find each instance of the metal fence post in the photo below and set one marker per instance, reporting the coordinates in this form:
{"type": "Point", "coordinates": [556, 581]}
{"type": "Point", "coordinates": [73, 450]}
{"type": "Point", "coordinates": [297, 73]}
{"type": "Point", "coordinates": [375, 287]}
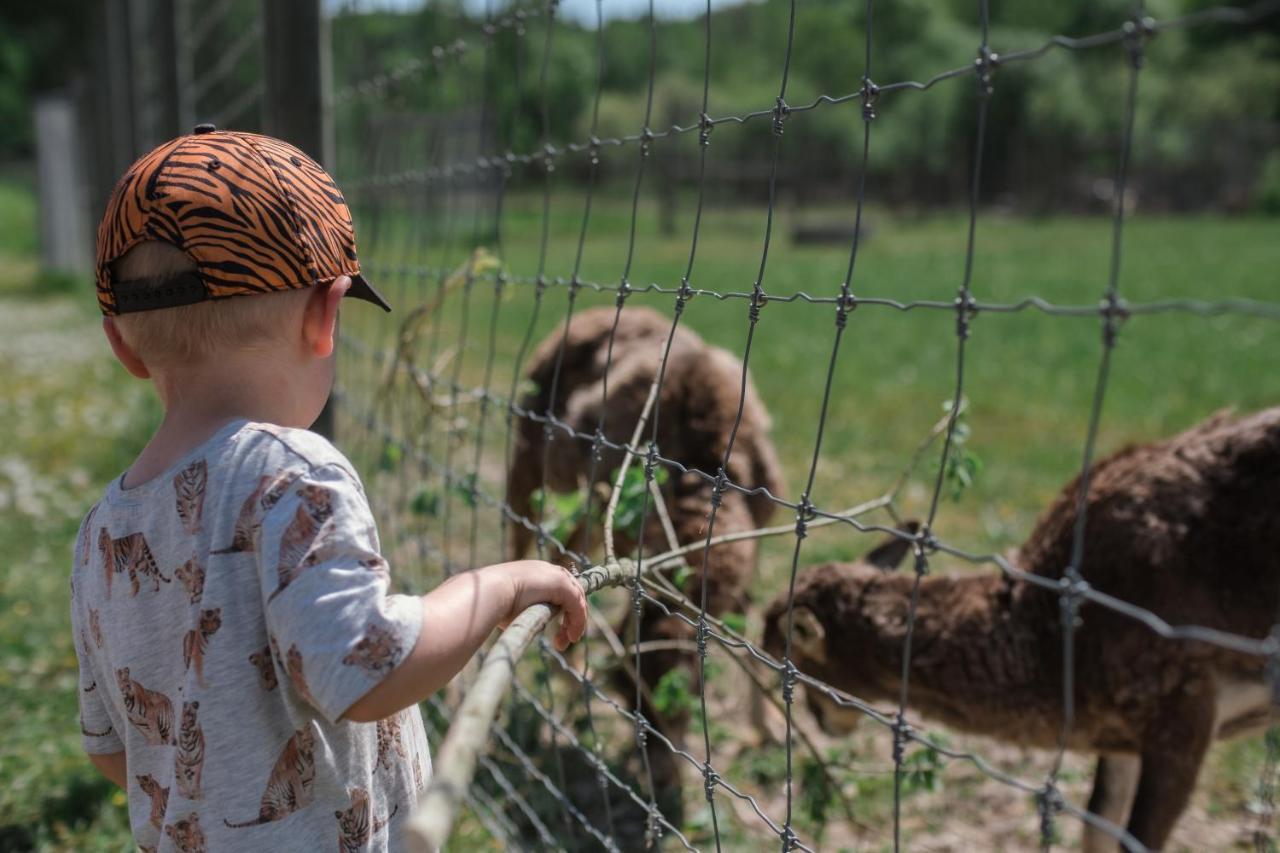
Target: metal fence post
{"type": "Point", "coordinates": [296, 61]}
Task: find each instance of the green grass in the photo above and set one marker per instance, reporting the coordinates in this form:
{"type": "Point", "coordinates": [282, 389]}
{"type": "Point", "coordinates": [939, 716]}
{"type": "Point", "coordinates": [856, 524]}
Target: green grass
{"type": "Point", "coordinates": [1029, 377]}
{"type": "Point", "coordinates": [70, 418]}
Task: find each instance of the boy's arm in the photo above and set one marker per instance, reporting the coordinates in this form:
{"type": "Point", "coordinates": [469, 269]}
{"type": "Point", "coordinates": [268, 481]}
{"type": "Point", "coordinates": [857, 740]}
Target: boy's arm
{"type": "Point", "coordinates": [112, 765]}
{"type": "Point", "coordinates": [458, 616]}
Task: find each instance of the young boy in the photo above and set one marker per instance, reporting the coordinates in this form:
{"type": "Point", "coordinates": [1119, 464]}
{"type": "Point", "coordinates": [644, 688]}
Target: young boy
{"type": "Point", "coordinates": [245, 676]}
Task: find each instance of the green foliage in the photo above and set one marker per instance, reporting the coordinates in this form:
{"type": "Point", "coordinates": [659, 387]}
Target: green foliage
{"type": "Point", "coordinates": [426, 501]}
{"type": "Point", "coordinates": [672, 695]}
{"type": "Point", "coordinates": [736, 622]}
{"type": "Point", "coordinates": [767, 767]}
{"type": "Point", "coordinates": [1268, 198]}
{"type": "Point", "coordinates": [390, 457]}
{"type": "Point", "coordinates": [963, 465]}
{"type": "Point", "coordinates": [922, 769]}
{"type": "Point", "coordinates": [635, 500]}
{"type": "Point", "coordinates": [563, 513]}
{"type": "Point", "coordinates": [817, 792]}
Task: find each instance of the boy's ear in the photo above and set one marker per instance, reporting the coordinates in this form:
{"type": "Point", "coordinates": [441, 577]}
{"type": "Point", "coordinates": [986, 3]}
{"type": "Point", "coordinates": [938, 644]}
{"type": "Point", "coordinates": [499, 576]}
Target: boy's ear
{"type": "Point", "coordinates": [320, 320]}
{"type": "Point", "coordinates": [123, 352]}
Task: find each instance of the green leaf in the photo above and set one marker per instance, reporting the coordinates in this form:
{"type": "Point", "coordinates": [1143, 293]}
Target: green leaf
{"type": "Point", "coordinates": [389, 458]}
{"type": "Point", "coordinates": [425, 502]}
{"type": "Point", "coordinates": [672, 695]}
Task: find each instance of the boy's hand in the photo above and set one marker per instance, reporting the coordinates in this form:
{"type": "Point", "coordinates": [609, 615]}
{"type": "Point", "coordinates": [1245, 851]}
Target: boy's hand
{"type": "Point", "coordinates": [537, 582]}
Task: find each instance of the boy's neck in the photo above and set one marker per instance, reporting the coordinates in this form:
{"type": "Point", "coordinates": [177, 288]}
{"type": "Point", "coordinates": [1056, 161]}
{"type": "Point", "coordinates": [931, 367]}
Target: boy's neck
{"type": "Point", "coordinates": [200, 400]}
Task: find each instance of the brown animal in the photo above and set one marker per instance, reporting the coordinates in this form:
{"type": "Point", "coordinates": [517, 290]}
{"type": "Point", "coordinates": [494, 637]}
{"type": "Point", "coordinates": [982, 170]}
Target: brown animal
{"type": "Point", "coordinates": [1185, 528]}
{"type": "Point", "coordinates": [697, 407]}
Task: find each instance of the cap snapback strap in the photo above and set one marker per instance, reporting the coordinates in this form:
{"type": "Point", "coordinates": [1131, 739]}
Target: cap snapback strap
{"type": "Point", "coordinates": [144, 294]}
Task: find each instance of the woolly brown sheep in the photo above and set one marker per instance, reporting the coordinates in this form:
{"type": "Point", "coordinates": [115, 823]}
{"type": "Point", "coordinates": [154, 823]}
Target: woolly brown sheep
{"type": "Point", "coordinates": [697, 407]}
{"type": "Point", "coordinates": [1186, 528]}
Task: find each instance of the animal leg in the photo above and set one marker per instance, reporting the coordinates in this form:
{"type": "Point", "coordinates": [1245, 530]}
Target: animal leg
{"type": "Point", "coordinates": [1172, 751]}
{"type": "Point", "coordinates": [1114, 784]}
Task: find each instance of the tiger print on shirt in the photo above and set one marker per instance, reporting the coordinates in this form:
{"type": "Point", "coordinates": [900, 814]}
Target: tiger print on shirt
{"type": "Point", "coordinates": [159, 798]}
{"type": "Point", "coordinates": [188, 756]}
{"type": "Point", "coordinates": [354, 826]}
{"type": "Point", "coordinates": [196, 641]}
{"type": "Point", "coordinates": [150, 711]}
{"type": "Point", "coordinates": [129, 554]}
{"type": "Point", "coordinates": [289, 787]}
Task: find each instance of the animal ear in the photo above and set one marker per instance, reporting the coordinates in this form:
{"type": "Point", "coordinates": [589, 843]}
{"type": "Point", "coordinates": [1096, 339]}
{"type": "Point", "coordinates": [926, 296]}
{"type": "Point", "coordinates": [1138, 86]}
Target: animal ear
{"type": "Point", "coordinates": [890, 553]}
{"type": "Point", "coordinates": [808, 636]}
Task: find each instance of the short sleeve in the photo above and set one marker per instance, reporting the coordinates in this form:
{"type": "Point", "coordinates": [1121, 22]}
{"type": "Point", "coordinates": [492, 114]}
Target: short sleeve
{"type": "Point", "coordinates": [334, 629]}
{"type": "Point", "coordinates": [98, 734]}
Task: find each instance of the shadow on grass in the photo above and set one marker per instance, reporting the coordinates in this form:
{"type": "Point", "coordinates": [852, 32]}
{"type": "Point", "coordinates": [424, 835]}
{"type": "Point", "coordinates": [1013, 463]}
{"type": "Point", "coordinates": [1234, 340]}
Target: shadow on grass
{"type": "Point", "coordinates": [77, 805]}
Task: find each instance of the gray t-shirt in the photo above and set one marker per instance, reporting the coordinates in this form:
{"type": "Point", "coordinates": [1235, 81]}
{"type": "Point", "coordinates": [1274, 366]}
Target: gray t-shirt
{"type": "Point", "coordinates": [226, 614]}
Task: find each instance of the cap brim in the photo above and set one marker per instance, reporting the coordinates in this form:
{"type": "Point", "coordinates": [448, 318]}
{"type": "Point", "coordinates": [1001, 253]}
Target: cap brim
{"type": "Point", "coordinates": [361, 289]}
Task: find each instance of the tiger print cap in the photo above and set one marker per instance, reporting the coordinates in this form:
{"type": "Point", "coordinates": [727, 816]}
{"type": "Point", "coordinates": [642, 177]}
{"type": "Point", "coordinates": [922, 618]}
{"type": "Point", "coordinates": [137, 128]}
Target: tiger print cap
{"type": "Point", "coordinates": [255, 214]}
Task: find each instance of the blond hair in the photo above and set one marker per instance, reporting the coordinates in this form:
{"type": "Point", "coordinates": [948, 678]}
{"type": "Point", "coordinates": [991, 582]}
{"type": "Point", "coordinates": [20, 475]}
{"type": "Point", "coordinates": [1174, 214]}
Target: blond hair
{"type": "Point", "coordinates": [166, 337]}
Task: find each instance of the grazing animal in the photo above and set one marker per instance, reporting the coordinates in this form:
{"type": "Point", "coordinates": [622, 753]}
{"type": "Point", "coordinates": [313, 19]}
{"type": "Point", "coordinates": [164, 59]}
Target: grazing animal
{"type": "Point", "coordinates": [696, 413]}
{"type": "Point", "coordinates": [1185, 528]}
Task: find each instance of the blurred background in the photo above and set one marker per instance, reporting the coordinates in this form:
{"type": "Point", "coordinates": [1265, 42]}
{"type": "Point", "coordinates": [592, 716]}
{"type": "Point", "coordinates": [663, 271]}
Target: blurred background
{"type": "Point", "coordinates": [415, 106]}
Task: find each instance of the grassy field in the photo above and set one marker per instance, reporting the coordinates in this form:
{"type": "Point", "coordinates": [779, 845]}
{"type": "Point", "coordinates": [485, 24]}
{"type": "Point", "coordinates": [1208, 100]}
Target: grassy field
{"type": "Point", "coordinates": [1029, 382]}
{"type": "Point", "coordinates": [70, 419]}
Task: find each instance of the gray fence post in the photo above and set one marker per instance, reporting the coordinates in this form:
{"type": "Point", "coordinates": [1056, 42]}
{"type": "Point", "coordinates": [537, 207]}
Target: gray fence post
{"type": "Point", "coordinates": [65, 231]}
{"type": "Point", "coordinates": [295, 35]}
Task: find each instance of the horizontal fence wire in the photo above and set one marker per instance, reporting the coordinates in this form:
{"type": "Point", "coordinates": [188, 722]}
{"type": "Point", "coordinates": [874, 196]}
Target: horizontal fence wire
{"type": "Point", "coordinates": [435, 404]}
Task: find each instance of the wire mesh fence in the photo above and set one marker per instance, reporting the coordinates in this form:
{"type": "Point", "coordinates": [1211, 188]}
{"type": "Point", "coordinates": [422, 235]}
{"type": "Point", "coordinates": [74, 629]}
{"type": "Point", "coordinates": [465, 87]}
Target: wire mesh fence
{"type": "Point", "coordinates": [540, 391]}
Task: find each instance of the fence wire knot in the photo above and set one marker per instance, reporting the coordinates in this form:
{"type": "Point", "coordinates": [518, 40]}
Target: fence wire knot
{"type": "Point", "coordinates": [650, 461]}
{"type": "Point", "coordinates": [986, 64]}
{"type": "Point", "coordinates": [624, 290]}
{"type": "Point", "coordinates": [710, 778]}
{"type": "Point", "coordinates": [804, 513]}
{"type": "Point", "coordinates": [1073, 591]}
{"type": "Point", "coordinates": [846, 304]}
{"type": "Point", "coordinates": [966, 310]}
{"type": "Point", "coordinates": [781, 112]}
{"type": "Point", "coordinates": [789, 675]}
{"type": "Point", "coordinates": [642, 731]}
{"type": "Point", "coordinates": [901, 734]}
{"type": "Point", "coordinates": [790, 841]}
{"type": "Point", "coordinates": [1114, 313]}
{"type": "Point", "coordinates": [717, 489]}
{"type": "Point", "coordinates": [758, 300]}
{"type": "Point", "coordinates": [705, 126]}
{"type": "Point", "coordinates": [1136, 34]}
{"type": "Point", "coordinates": [870, 94]}
{"type": "Point", "coordinates": [646, 142]}
{"type": "Point", "coordinates": [1048, 804]}
{"type": "Point", "coordinates": [653, 828]}
{"type": "Point", "coordinates": [683, 295]}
